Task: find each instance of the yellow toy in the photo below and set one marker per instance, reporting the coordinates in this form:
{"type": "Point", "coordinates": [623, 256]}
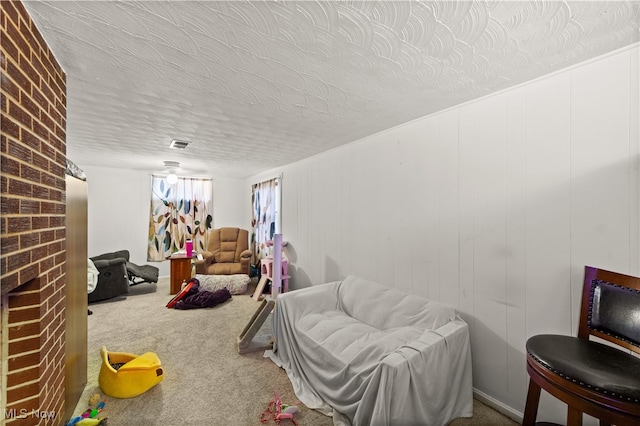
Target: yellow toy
{"type": "Point", "coordinates": [91, 422]}
{"type": "Point", "coordinates": [90, 416]}
{"type": "Point", "coordinates": [124, 375]}
{"type": "Point", "coordinates": [94, 400]}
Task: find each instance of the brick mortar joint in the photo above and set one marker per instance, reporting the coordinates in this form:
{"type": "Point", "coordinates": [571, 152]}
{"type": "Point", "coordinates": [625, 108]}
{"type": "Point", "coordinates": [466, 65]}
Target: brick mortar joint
{"type": "Point", "coordinates": [11, 117]}
{"type": "Point", "coordinates": [16, 271]}
{"type": "Point", "coordinates": [27, 163]}
{"type": "Point", "coordinates": [57, 91]}
{"type": "Point", "coordinates": [49, 75]}
{"type": "Point", "coordinates": [38, 185]}
{"type": "Point", "coordinates": [36, 216]}
{"type": "Point", "coordinates": [32, 233]}
{"type": "Point", "coordinates": [43, 53]}
{"type": "Point", "coordinates": [22, 339]}
{"type": "Point", "coordinates": [30, 130]}
{"type": "Point", "coordinates": [39, 120]}
{"type": "Point", "coordinates": [18, 386]}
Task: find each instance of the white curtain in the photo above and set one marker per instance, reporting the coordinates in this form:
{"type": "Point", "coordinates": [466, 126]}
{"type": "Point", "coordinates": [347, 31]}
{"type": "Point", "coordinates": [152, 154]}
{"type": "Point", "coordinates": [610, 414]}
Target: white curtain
{"type": "Point", "coordinates": [179, 212]}
{"type": "Point", "coordinates": [265, 198]}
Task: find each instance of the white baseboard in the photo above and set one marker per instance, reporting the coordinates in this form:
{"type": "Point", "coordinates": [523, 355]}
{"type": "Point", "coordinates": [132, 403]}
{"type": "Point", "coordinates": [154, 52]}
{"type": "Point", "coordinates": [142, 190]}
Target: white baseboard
{"type": "Point", "coordinates": [501, 408]}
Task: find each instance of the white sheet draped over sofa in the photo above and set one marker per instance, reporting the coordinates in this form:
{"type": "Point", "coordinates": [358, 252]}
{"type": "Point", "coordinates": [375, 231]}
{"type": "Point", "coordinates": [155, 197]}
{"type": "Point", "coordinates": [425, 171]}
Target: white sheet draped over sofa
{"type": "Point", "coordinates": [372, 355]}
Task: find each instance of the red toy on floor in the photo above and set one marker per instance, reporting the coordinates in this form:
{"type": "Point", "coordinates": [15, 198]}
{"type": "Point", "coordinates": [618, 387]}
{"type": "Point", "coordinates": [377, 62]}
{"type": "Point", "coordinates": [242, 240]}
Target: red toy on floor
{"type": "Point", "coordinates": [183, 292]}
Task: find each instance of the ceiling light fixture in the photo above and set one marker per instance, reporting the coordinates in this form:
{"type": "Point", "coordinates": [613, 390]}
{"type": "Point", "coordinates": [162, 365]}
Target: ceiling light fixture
{"type": "Point", "coordinates": [171, 166]}
{"type": "Point", "coordinates": [172, 178]}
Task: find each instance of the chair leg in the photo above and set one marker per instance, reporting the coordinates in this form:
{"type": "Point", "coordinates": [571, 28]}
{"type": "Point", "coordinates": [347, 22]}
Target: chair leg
{"type": "Point", "coordinates": [574, 417]}
{"type": "Point", "coordinates": [531, 409]}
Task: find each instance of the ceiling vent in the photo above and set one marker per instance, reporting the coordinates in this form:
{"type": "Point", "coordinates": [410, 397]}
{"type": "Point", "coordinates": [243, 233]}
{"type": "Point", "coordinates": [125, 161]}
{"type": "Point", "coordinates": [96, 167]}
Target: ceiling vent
{"type": "Point", "coordinates": [178, 144]}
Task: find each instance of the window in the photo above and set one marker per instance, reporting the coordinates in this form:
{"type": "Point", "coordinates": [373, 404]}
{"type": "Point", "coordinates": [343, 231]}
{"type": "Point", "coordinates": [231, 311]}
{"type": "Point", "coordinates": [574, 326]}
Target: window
{"type": "Point", "coordinates": [179, 212]}
{"type": "Point", "coordinates": [265, 221]}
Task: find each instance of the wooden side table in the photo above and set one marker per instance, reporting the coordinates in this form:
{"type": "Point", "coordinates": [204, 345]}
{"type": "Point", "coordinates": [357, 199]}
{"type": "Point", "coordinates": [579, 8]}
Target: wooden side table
{"type": "Point", "coordinates": [180, 271]}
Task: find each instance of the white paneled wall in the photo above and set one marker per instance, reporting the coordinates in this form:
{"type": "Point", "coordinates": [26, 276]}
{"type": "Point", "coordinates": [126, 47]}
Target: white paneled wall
{"type": "Point", "coordinates": [494, 207]}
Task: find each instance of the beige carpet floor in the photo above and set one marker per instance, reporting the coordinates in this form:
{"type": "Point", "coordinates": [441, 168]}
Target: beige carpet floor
{"type": "Point", "coordinates": [206, 381]}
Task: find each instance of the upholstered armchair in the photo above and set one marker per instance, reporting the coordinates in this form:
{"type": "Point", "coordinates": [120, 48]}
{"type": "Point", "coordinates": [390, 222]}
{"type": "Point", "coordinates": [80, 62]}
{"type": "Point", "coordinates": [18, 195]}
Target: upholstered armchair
{"type": "Point", "coordinates": [227, 253]}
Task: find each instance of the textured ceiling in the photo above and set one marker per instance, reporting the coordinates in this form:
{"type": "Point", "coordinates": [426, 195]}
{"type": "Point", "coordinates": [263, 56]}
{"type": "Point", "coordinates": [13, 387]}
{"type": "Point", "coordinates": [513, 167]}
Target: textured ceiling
{"type": "Point", "coordinates": [254, 85]}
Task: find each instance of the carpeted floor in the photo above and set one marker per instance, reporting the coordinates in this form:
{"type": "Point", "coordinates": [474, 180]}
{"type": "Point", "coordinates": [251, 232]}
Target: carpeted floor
{"type": "Point", "coordinates": [206, 381]}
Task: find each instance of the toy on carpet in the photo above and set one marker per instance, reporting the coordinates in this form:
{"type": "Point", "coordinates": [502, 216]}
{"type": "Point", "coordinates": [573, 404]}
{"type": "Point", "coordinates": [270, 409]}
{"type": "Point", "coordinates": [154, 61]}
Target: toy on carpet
{"type": "Point", "coordinates": [277, 411]}
{"type": "Point", "coordinates": [124, 375]}
{"type": "Point", "coordinates": [90, 416]}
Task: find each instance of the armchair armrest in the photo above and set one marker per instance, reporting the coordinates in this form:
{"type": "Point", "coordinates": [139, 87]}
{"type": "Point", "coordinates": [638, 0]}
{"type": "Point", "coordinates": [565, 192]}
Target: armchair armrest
{"type": "Point", "coordinates": [207, 259]}
{"type": "Point", "coordinates": [207, 256]}
{"type": "Point", "coordinates": [245, 261]}
{"type": "Point", "coordinates": [317, 298]}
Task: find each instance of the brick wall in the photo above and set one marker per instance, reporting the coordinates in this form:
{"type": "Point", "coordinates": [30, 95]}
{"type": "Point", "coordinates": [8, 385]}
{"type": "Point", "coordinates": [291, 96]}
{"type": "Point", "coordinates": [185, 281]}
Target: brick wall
{"type": "Point", "coordinates": [32, 262]}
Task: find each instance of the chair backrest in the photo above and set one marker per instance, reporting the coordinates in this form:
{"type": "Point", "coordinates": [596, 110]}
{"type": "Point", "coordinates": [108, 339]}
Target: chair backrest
{"type": "Point", "coordinates": [228, 243]}
{"type": "Point", "coordinates": [112, 255]}
{"type": "Point", "coordinates": [385, 308]}
{"type": "Point", "coordinates": [611, 308]}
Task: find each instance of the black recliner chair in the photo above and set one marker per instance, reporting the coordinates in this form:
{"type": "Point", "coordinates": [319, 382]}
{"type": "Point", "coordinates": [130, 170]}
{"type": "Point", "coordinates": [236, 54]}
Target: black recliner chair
{"type": "Point", "coordinates": [112, 279]}
{"type": "Point", "coordinates": [117, 274]}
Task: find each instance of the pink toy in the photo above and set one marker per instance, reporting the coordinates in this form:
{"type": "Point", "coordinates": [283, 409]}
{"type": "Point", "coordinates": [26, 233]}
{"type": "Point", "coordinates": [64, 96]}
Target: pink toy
{"type": "Point", "coordinates": [278, 411]}
{"type": "Point", "coordinates": [287, 413]}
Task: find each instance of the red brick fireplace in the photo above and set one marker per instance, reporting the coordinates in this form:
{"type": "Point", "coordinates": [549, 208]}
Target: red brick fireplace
{"type": "Point", "coordinates": [32, 261]}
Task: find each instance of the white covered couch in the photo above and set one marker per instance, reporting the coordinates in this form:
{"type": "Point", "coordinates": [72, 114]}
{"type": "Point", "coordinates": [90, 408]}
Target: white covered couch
{"type": "Point", "coordinates": [371, 355]}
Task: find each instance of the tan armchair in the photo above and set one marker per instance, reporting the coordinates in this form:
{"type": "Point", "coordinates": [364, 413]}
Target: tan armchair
{"type": "Point", "coordinates": [227, 253]}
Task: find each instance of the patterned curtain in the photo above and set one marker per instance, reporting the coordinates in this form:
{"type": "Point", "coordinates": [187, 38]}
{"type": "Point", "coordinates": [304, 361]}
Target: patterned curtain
{"type": "Point", "coordinates": [179, 212]}
{"type": "Point", "coordinates": [264, 199]}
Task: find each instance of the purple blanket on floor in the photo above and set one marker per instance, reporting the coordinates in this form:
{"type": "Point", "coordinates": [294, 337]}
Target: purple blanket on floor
{"type": "Point", "coordinates": [202, 299]}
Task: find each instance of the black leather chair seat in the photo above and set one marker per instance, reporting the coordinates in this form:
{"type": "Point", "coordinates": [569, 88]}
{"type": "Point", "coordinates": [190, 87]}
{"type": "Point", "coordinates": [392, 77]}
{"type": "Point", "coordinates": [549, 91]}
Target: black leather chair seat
{"type": "Point", "coordinates": [591, 364]}
{"type": "Point", "coordinates": [147, 273]}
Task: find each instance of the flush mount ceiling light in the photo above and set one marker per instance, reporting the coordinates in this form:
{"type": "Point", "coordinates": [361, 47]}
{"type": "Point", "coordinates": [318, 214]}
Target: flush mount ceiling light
{"type": "Point", "coordinates": [172, 178]}
{"type": "Point", "coordinates": [178, 144]}
{"type": "Point", "coordinates": [171, 167]}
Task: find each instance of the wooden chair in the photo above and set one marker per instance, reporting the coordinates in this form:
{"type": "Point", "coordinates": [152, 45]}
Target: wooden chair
{"type": "Point", "coordinates": [591, 377]}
